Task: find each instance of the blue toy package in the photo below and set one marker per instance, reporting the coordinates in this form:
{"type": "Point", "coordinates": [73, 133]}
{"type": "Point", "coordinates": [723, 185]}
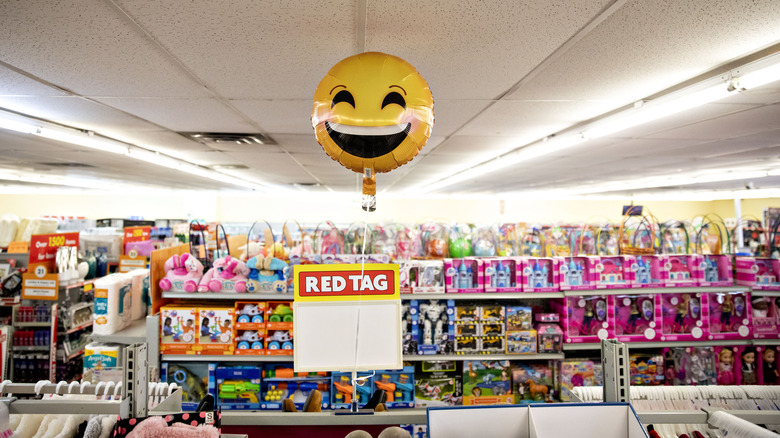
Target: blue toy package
{"type": "Point", "coordinates": [398, 385]}
{"type": "Point", "coordinates": [435, 330]}
{"type": "Point", "coordinates": [195, 378]}
{"type": "Point", "coordinates": [342, 386]}
{"type": "Point", "coordinates": [281, 382]}
{"type": "Point", "coordinates": [409, 321]}
{"type": "Point", "coordinates": [238, 387]}
{"type": "Point", "coordinates": [416, 430]}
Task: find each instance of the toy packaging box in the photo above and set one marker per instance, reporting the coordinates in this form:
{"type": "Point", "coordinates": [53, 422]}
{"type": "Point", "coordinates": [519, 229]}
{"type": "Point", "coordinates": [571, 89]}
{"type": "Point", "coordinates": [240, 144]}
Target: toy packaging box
{"type": "Point", "coordinates": [576, 372]}
{"type": "Point", "coordinates": [680, 270]}
{"type": "Point", "coordinates": [409, 322]}
{"type": "Point", "coordinates": [398, 385]}
{"type": "Point", "coordinates": [487, 383]}
{"type": "Point", "coordinates": [421, 276]}
{"type": "Point", "coordinates": [178, 329]}
{"type": "Point", "coordinates": [416, 430]}
{"type": "Point", "coordinates": [682, 317]}
{"type": "Point", "coordinates": [279, 328]}
{"type": "Point", "coordinates": [435, 330]}
{"type": "Point", "coordinates": [438, 383]}
{"type": "Point", "coordinates": [195, 378]}
{"type": "Point", "coordinates": [729, 316]}
{"type": "Point", "coordinates": [518, 318]}
{"type": "Point", "coordinates": [279, 382]}
{"type": "Point", "coordinates": [726, 359]}
{"type": "Point", "coordinates": [540, 274]}
{"type": "Point", "coordinates": [249, 332]}
{"type": "Point", "coordinates": [479, 329]}
{"type": "Point", "coordinates": [341, 387]}
{"type": "Point", "coordinates": [576, 273]}
{"type": "Point", "coordinates": [586, 318]}
{"type": "Point", "coordinates": [465, 275]}
{"type": "Point", "coordinates": [758, 273]}
{"type": "Point", "coordinates": [372, 258]}
{"type": "Point", "coordinates": [503, 274]}
{"type": "Point", "coordinates": [767, 371]}
{"type": "Point", "coordinates": [238, 387]}
{"type": "Point", "coordinates": [215, 331]}
{"type": "Point", "coordinates": [690, 366]}
{"type": "Point", "coordinates": [613, 272]}
{"type": "Point", "coordinates": [764, 311]}
{"type": "Point", "coordinates": [533, 381]}
{"type": "Point", "coordinates": [713, 270]}
{"type": "Point", "coordinates": [638, 318]}
{"type": "Point", "coordinates": [648, 271]}
{"type": "Point", "coordinates": [747, 365]}
{"type": "Point", "coordinates": [646, 369]}
{"type": "Point", "coordinates": [549, 333]}
{"type": "Point", "coordinates": [521, 342]}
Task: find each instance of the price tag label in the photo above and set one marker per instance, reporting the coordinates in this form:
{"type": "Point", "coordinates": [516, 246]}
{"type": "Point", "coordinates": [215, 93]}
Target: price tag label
{"type": "Point", "coordinates": [131, 261]}
{"type": "Point", "coordinates": [40, 285]}
{"type": "Point", "coordinates": [18, 247]}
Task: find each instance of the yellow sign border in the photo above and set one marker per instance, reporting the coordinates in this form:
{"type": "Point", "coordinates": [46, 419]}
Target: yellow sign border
{"type": "Point", "coordinates": [342, 267]}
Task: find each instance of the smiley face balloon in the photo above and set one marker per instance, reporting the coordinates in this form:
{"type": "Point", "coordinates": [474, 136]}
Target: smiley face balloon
{"type": "Point", "coordinates": [372, 113]}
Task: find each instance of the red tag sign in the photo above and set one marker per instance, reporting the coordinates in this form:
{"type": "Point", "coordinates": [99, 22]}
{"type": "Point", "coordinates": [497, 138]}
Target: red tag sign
{"type": "Point", "coordinates": [43, 248]}
{"type": "Point", "coordinates": [345, 282]}
{"type": "Point", "coordinates": [137, 234]}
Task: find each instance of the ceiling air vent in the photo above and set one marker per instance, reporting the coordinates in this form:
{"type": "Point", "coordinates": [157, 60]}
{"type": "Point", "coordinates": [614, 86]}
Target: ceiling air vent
{"type": "Point", "coordinates": [211, 138]}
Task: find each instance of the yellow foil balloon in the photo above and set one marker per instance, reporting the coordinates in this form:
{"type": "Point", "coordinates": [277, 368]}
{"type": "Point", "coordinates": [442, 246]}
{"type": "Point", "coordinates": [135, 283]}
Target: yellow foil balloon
{"type": "Point", "coordinates": [372, 113]}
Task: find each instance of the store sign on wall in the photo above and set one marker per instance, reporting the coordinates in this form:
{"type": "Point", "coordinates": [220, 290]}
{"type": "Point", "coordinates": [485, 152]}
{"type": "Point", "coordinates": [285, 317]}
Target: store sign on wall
{"type": "Point", "coordinates": [43, 248]}
{"type": "Point", "coordinates": [40, 285]}
{"type": "Point", "coordinates": [346, 282]}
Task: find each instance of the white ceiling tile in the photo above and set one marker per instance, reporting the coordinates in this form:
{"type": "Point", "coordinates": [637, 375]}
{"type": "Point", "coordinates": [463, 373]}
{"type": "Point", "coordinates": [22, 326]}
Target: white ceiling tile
{"type": "Point", "coordinates": [16, 84]}
{"type": "Point", "coordinates": [743, 123]}
{"type": "Point", "coordinates": [184, 115]}
{"type": "Point", "coordinates": [280, 116]}
{"type": "Point", "coordinates": [451, 115]}
{"type": "Point", "coordinates": [88, 48]}
{"type": "Point", "coordinates": [253, 49]}
{"type": "Point", "coordinates": [470, 51]}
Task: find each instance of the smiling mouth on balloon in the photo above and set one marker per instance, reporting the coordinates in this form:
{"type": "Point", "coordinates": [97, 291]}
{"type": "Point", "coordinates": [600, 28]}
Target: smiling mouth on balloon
{"type": "Point", "coordinates": [367, 141]}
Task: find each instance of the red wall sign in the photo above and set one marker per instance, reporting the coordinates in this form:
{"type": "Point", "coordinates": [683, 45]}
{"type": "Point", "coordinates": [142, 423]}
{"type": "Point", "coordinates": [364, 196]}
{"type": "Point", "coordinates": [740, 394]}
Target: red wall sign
{"type": "Point", "coordinates": [43, 248]}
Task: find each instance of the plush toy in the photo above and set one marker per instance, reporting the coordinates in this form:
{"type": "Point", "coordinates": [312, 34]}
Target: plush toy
{"type": "Point", "coordinates": [267, 274]}
{"type": "Point", "coordinates": [183, 273]}
{"type": "Point", "coordinates": [251, 249]}
{"type": "Point", "coordinates": [228, 274]}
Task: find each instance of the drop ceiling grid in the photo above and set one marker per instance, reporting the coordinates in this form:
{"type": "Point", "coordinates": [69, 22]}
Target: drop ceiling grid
{"type": "Point", "coordinates": [279, 116]}
{"type": "Point", "coordinates": [253, 49]}
{"type": "Point", "coordinates": [468, 50]}
{"type": "Point", "coordinates": [86, 47]}
{"type": "Point", "coordinates": [13, 84]}
{"type": "Point", "coordinates": [747, 122]}
{"type": "Point", "coordinates": [634, 54]}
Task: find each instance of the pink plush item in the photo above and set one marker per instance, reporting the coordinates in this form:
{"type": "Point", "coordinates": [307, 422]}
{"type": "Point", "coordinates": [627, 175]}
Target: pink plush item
{"type": "Point", "coordinates": [228, 274]}
{"type": "Point", "coordinates": [182, 273]}
{"type": "Point", "coordinates": [154, 427]}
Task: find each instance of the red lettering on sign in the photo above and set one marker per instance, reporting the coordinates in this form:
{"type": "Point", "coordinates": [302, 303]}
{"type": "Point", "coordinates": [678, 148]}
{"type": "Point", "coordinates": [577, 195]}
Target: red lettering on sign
{"type": "Point", "coordinates": [346, 283]}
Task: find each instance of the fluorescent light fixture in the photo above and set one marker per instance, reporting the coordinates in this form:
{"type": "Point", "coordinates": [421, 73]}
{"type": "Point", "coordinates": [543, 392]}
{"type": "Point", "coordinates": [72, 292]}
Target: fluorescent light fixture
{"type": "Point", "coordinates": [670, 181]}
{"type": "Point", "coordinates": [752, 75]}
{"type": "Point", "coordinates": [15, 125]}
{"type": "Point", "coordinates": [85, 140]}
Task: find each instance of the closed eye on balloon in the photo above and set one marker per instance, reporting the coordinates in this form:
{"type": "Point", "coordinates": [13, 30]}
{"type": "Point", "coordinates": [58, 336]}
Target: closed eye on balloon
{"type": "Point", "coordinates": [345, 96]}
{"type": "Point", "coordinates": [393, 97]}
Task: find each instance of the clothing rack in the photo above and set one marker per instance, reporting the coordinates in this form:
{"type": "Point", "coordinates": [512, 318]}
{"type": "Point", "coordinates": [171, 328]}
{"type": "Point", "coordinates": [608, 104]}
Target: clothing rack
{"type": "Point", "coordinates": [734, 409]}
{"type": "Point", "coordinates": [127, 399]}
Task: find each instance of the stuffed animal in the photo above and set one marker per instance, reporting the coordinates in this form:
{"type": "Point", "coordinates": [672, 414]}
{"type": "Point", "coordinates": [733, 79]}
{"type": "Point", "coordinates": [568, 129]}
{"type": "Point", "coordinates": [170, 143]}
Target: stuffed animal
{"type": "Point", "coordinates": [228, 274]}
{"type": "Point", "coordinates": [182, 273]}
{"type": "Point", "coordinates": [251, 249]}
{"type": "Point", "coordinates": [267, 274]}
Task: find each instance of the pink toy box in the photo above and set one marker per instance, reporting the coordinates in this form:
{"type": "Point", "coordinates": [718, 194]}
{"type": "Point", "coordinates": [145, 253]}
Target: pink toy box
{"type": "Point", "coordinates": [680, 270]}
{"type": "Point", "coordinates": [648, 271]}
{"type": "Point", "coordinates": [728, 315]}
{"type": "Point", "coordinates": [422, 276]}
{"type": "Point", "coordinates": [576, 273]}
{"type": "Point", "coordinates": [713, 270]}
{"type": "Point", "coordinates": [465, 275]}
{"type": "Point", "coordinates": [503, 274]}
{"type": "Point", "coordinates": [586, 318]}
{"type": "Point", "coordinates": [764, 311]}
{"type": "Point", "coordinates": [682, 317]}
{"type": "Point", "coordinates": [613, 272]}
{"type": "Point", "coordinates": [637, 317]}
{"type": "Point", "coordinates": [540, 274]}
{"type": "Point", "coordinates": [758, 273]}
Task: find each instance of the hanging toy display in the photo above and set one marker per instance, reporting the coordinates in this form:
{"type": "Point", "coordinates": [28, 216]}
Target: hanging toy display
{"type": "Point", "coordinates": [372, 113]}
{"type": "Point", "coordinates": [460, 241]}
{"type": "Point", "coordinates": [484, 242]}
{"type": "Point", "coordinates": [434, 239]}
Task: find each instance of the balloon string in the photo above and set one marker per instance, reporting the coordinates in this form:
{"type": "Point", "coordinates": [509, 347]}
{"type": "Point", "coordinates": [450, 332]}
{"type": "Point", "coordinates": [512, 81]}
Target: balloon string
{"type": "Point", "coordinates": [360, 300]}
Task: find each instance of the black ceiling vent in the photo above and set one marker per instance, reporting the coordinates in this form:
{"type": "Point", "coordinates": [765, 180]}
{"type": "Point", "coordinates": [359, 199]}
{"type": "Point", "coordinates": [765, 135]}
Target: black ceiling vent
{"type": "Point", "coordinates": [212, 138]}
{"type": "Point", "coordinates": [67, 165]}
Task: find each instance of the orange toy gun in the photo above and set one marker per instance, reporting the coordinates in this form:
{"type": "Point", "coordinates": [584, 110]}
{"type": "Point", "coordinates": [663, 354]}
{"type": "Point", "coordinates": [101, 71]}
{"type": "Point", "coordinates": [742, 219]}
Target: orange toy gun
{"type": "Point", "coordinates": [387, 386]}
{"type": "Point", "coordinates": [345, 388]}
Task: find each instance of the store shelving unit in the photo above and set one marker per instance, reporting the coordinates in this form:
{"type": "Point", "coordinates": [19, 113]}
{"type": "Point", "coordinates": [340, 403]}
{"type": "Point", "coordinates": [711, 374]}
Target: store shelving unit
{"type": "Point", "coordinates": [656, 290]}
{"type": "Point", "coordinates": [637, 345]}
{"type": "Point", "coordinates": [227, 296]}
{"type": "Point", "coordinates": [224, 358]}
{"type": "Point", "coordinates": [328, 418]}
{"type": "Point", "coordinates": [130, 335]}
{"type": "Point", "coordinates": [484, 296]}
{"type": "Point", "coordinates": [408, 358]}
